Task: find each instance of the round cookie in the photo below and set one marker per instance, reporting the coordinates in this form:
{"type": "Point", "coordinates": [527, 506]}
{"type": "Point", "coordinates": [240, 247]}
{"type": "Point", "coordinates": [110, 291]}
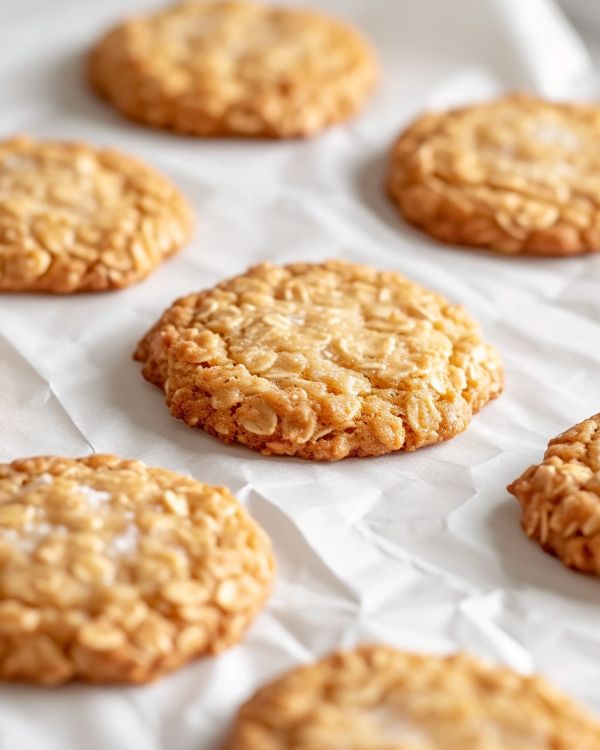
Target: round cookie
{"type": "Point", "coordinates": [321, 361]}
{"type": "Point", "coordinates": [519, 175]}
{"type": "Point", "coordinates": [112, 571]}
{"type": "Point", "coordinates": [377, 698]}
{"type": "Point", "coordinates": [74, 218]}
{"type": "Point", "coordinates": [560, 498]}
{"type": "Point", "coordinates": [234, 68]}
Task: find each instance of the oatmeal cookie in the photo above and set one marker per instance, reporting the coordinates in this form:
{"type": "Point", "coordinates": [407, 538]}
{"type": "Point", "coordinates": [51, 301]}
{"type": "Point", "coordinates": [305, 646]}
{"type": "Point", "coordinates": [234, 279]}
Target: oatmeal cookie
{"type": "Point", "coordinates": [112, 571]}
{"type": "Point", "coordinates": [75, 218]}
{"type": "Point", "coordinates": [321, 361]}
{"type": "Point", "coordinates": [517, 175]}
{"type": "Point", "coordinates": [560, 498]}
{"type": "Point", "coordinates": [234, 68]}
{"type": "Point", "coordinates": [377, 698]}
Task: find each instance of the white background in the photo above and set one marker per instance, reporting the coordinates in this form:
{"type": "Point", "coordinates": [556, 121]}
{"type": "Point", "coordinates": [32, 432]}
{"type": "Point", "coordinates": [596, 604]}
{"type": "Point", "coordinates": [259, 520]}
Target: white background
{"type": "Point", "coordinates": [423, 550]}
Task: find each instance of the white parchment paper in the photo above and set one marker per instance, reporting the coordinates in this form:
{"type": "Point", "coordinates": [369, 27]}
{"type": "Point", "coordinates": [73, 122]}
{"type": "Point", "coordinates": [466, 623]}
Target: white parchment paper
{"type": "Point", "coordinates": [424, 550]}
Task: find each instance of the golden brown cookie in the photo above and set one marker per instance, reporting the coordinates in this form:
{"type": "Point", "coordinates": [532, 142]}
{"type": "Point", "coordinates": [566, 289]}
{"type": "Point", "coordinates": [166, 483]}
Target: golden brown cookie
{"type": "Point", "coordinates": [377, 698]}
{"type": "Point", "coordinates": [517, 175]}
{"type": "Point", "coordinates": [112, 571]}
{"type": "Point", "coordinates": [234, 68]}
{"type": "Point", "coordinates": [321, 361]}
{"type": "Point", "coordinates": [560, 497]}
{"type": "Point", "coordinates": [74, 218]}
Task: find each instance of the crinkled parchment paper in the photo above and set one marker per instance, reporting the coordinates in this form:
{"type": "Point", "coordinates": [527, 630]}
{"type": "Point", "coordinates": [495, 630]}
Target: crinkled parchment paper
{"type": "Point", "coordinates": [424, 550]}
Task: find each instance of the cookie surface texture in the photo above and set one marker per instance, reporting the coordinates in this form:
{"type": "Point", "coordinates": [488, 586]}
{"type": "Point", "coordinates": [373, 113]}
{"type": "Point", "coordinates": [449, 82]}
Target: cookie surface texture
{"type": "Point", "coordinates": [234, 68]}
{"type": "Point", "coordinates": [376, 698]}
{"type": "Point", "coordinates": [519, 175]}
{"type": "Point", "coordinates": [560, 498]}
{"type": "Point", "coordinates": [112, 571]}
{"type": "Point", "coordinates": [74, 218]}
{"type": "Point", "coordinates": [321, 361]}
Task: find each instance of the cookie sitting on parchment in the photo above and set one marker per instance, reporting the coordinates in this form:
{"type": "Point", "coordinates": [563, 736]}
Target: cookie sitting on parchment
{"type": "Point", "coordinates": [560, 498]}
{"type": "Point", "coordinates": [74, 218]}
{"type": "Point", "coordinates": [321, 361]}
{"type": "Point", "coordinates": [112, 571]}
{"type": "Point", "coordinates": [234, 68]}
{"type": "Point", "coordinates": [377, 698]}
{"type": "Point", "coordinates": [519, 175]}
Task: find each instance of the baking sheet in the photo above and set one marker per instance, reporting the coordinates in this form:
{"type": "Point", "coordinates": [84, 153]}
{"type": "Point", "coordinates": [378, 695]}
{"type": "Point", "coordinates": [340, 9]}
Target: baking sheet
{"type": "Point", "coordinates": [424, 550]}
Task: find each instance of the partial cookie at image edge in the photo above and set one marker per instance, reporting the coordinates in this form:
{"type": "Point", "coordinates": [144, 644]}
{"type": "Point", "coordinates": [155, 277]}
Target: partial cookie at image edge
{"type": "Point", "coordinates": [560, 497]}
{"type": "Point", "coordinates": [379, 697]}
{"type": "Point", "coordinates": [514, 176]}
{"type": "Point", "coordinates": [112, 571]}
{"type": "Point", "coordinates": [76, 218]}
{"type": "Point", "coordinates": [313, 72]}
